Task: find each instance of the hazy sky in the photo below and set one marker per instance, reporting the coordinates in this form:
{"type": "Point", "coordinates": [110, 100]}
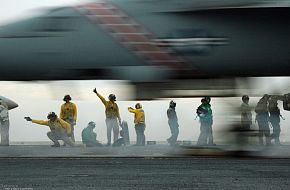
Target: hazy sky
{"type": "Point", "coordinates": [36, 99]}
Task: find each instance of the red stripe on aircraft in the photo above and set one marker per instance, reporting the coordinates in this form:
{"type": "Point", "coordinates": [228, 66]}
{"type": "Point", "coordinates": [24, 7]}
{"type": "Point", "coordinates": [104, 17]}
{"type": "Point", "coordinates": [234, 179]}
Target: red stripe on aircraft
{"type": "Point", "coordinates": [130, 34]}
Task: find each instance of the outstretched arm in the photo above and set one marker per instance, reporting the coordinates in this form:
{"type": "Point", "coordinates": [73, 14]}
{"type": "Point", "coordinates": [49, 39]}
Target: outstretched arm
{"type": "Point", "coordinates": [130, 109]}
{"type": "Point", "coordinates": [40, 122]}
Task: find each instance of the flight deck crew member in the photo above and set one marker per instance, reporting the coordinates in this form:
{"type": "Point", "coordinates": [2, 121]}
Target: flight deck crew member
{"type": "Point", "coordinates": [60, 129]}
{"type": "Point", "coordinates": [262, 117]}
{"type": "Point", "coordinates": [139, 120]}
{"type": "Point", "coordinates": [173, 123]}
{"type": "Point", "coordinates": [112, 115]}
{"type": "Point", "coordinates": [4, 124]}
{"type": "Point", "coordinates": [246, 114]}
{"type": "Point", "coordinates": [68, 113]}
{"type": "Point", "coordinates": [89, 137]}
{"type": "Point", "coordinates": [274, 119]}
{"type": "Point", "coordinates": [246, 121]}
{"type": "Point", "coordinates": [204, 113]}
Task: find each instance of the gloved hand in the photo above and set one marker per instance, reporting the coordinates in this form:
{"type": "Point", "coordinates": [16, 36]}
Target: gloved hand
{"type": "Point", "coordinates": [28, 118]}
{"type": "Point", "coordinates": [95, 90]}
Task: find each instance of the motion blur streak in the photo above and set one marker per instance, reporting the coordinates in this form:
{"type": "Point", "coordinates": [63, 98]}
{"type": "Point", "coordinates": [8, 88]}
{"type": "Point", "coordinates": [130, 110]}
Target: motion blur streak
{"type": "Point", "coordinates": [206, 39]}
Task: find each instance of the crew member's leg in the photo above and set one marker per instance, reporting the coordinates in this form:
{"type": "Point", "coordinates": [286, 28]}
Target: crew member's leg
{"type": "Point", "coordinates": [202, 136]}
{"type": "Point", "coordinates": [267, 133]}
{"type": "Point", "coordinates": [174, 131]}
{"type": "Point", "coordinates": [138, 134]}
{"type": "Point", "coordinates": [142, 134]}
{"type": "Point", "coordinates": [116, 130]}
{"type": "Point", "coordinates": [109, 130]}
{"type": "Point", "coordinates": [276, 132]}
{"type": "Point", "coordinates": [66, 139]}
{"type": "Point", "coordinates": [210, 135]}
{"type": "Point", "coordinates": [261, 132]}
{"type": "Point", "coordinates": [4, 127]}
{"type": "Point", "coordinates": [73, 132]}
{"type": "Point", "coordinates": [54, 138]}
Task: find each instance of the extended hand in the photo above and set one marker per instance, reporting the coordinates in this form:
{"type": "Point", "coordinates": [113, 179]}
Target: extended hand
{"type": "Point", "coordinates": [28, 118]}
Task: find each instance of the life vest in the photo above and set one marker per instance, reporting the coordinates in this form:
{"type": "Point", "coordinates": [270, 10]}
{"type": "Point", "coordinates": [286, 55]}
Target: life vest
{"type": "Point", "coordinates": [68, 112]}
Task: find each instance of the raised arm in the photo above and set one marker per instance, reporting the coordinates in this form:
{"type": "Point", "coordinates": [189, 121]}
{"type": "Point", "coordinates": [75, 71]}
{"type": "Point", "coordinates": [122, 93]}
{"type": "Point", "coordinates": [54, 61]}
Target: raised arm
{"type": "Point", "coordinates": [101, 97]}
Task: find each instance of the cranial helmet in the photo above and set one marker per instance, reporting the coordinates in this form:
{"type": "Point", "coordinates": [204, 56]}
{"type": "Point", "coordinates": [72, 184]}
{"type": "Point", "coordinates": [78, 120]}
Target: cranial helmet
{"type": "Point", "coordinates": [92, 124]}
{"type": "Point", "coordinates": [66, 97]}
{"type": "Point", "coordinates": [172, 104]}
{"type": "Point", "coordinates": [138, 106]}
{"type": "Point", "coordinates": [51, 115]}
{"type": "Point", "coordinates": [207, 98]}
{"type": "Point", "coordinates": [112, 97]}
{"type": "Point", "coordinates": [245, 97]}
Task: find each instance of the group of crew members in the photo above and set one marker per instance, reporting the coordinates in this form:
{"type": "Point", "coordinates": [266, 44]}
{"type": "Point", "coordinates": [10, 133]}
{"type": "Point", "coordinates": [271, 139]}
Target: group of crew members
{"type": "Point", "coordinates": [267, 114]}
{"type": "Point", "coordinates": [62, 127]}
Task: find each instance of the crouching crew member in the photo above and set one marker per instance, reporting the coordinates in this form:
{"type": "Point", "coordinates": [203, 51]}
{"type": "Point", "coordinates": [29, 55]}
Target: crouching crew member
{"type": "Point", "coordinates": [59, 129]}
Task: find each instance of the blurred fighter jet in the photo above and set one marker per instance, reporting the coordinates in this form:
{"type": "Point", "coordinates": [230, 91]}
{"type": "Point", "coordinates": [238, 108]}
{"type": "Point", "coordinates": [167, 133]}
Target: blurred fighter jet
{"type": "Point", "coordinates": [155, 44]}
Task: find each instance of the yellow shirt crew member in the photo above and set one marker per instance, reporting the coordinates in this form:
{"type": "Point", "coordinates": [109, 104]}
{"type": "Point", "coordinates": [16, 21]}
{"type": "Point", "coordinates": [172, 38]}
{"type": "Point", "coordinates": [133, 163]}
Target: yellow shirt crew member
{"type": "Point", "coordinates": [112, 114]}
{"type": "Point", "coordinates": [139, 115]}
{"type": "Point", "coordinates": [60, 129]}
{"type": "Point", "coordinates": [68, 112]}
{"type": "Point", "coordinates": [111, 108]}
{"type": "Point", "coordinates": [139, 120]}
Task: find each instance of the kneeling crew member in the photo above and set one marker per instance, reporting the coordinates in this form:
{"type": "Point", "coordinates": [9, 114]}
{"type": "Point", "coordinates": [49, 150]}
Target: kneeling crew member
{"type": "Point", "coordinates": [60, 130]}
{"type": "Point", "coordinates": [89, 137]}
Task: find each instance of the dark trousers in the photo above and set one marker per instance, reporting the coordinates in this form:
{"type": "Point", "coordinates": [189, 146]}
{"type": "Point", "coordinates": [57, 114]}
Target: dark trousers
{"type": "Point", "coordinates": [264, 130]}
{"type": "Point", "coordinates": [140, 128]}
{"type": "Point", "coordinates": [4, 130]}
{"type": "Point", "coordinates": [276, 131]}
{"type": "Point", "coordinates": [205, 137]}
{"type": "Point", "coordinates": [174, 129]}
